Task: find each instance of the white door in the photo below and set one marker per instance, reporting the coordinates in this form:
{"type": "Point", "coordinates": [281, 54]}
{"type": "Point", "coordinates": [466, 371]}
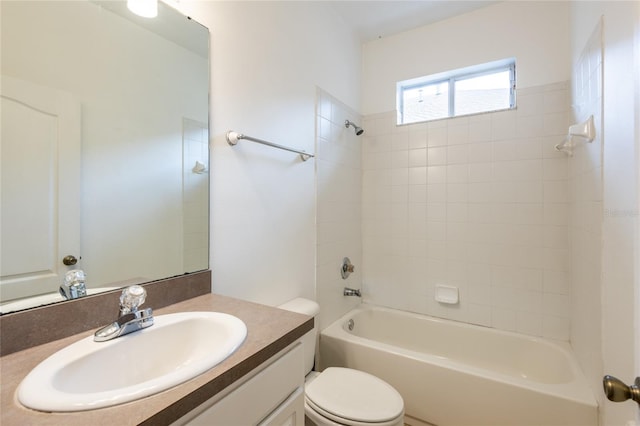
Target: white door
{"type": "Point", "coordinates": [40, 183]}
{"type": "Point", "coordinates": [636, 316]}
{"type": "Point", "coordinates": [621, 290]}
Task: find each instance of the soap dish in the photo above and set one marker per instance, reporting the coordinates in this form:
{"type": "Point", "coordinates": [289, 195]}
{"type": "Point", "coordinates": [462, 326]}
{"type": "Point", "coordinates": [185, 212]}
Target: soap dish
{"type": "Point", "coordinates": [447, 294]}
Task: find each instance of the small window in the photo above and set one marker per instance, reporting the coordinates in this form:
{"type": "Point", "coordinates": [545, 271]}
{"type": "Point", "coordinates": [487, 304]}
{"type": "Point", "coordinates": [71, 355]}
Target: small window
{"type": "Point", "coordinates": [472, 90]}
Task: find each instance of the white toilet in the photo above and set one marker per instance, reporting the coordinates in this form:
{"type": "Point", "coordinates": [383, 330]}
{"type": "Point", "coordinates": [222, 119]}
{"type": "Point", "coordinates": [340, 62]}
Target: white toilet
{"type": "Point", "coordinates": [344, 396]}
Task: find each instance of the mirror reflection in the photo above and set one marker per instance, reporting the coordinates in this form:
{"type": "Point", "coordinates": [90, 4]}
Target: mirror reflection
{"type": "Point", "coordinates": [104, 147]}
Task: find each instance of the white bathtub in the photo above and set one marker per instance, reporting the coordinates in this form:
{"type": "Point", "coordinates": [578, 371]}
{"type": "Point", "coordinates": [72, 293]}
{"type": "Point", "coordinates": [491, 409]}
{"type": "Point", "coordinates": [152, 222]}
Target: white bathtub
{"type": "Point", "coordinates": [451, 373]}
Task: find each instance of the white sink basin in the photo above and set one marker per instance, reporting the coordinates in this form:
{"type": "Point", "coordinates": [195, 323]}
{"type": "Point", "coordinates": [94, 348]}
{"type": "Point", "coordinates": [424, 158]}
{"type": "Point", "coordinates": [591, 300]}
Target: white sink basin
{"type": "Point", "coordinates": [88, 375]}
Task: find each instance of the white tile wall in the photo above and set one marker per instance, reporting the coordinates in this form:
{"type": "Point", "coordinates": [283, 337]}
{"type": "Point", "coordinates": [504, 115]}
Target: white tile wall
{"type": "Point", "coordinates": [339, 198]}
{"type": "Point", "coordinates": [586, 208]}
{"type": "Point", "coordinates": [478, 202]}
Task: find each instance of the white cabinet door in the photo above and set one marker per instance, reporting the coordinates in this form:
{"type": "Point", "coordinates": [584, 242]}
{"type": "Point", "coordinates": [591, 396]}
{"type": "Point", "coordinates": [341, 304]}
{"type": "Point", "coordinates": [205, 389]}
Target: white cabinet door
{"type": "Point", "coordinates": [40, 194]}
{"type": "Point", "coordinates": [289, 413]}
{"type": "Point", "coordinates": [273, 396]}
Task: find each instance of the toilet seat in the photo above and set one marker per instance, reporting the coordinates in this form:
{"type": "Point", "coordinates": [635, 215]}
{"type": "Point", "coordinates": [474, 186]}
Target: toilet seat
{"type": "Point", "coordinates": [319, 417]}
{"type": "Point", "coordinates": [353, 397]}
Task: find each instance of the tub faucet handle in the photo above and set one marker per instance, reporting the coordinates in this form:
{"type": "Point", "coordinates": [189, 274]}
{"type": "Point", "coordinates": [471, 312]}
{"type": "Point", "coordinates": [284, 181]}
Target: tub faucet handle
{"type": "Point", "coordinates": [347, 268]}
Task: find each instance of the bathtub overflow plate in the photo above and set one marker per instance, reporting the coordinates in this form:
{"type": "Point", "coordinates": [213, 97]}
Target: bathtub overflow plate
{"type": "Point", "coordinates": [350, 325]}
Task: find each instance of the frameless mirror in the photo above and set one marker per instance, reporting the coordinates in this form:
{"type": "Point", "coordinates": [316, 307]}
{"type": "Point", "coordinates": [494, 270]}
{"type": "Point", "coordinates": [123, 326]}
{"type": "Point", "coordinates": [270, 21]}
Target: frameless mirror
{"type": "Point", "coordinates": [104, 149]}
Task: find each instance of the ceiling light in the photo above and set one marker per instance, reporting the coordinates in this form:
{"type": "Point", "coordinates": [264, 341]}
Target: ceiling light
{"type": "Point", "coordinates": [144, 8]}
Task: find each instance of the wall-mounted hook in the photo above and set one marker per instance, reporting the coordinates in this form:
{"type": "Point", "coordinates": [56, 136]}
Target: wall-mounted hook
{"type": "Point", "coordinates": [585, 130]}
{"type": "Point", "coordinates": [199, 168]}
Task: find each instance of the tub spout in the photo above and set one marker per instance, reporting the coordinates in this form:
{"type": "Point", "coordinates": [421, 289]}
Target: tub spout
{"type": "Point", "coordinates": [351, 292]}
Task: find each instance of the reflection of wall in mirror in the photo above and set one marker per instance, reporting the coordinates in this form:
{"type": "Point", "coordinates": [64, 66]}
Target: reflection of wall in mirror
{"type": "Point", "coordinates": [132, 213]}
{"type": "Point", "coordinates": [195, 193]}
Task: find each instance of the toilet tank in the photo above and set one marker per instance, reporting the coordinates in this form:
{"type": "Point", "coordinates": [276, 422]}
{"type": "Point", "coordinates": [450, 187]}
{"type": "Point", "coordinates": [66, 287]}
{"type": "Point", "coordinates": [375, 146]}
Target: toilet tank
{"type": "Point", "coordinates": [309, 340]}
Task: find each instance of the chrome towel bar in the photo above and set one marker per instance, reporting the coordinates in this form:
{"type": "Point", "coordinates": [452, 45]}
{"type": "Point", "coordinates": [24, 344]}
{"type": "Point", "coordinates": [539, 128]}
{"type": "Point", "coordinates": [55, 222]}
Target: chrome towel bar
{"type": "Point", "coordinates": [234, 137]}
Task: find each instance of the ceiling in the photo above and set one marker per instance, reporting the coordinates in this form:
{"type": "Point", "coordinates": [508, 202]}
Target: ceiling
{"type": "Point", "coordinates": [377, 19]}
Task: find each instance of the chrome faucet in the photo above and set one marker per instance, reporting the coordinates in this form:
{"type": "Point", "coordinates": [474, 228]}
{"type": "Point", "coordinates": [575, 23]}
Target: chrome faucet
{"type": "Point", "coordinates": [73, 286]}
{"type": "Point", "coordinates": [131, 318]}
{"type": "Point", "coordinates": [351, 292]}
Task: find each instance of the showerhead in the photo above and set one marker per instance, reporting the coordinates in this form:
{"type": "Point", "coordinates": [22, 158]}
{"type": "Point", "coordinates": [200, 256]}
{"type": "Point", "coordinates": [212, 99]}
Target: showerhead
{"type": "Point", "coordinates": [357, 129]}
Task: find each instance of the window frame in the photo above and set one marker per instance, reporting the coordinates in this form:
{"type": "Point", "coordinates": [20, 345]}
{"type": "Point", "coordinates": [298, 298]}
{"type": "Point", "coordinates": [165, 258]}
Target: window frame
{"type": "Point", "coordinates": [451, 77]}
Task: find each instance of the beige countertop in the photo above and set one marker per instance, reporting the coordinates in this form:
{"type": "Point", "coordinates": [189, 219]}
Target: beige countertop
{"type": "Point", "coordinates": [269, 331]}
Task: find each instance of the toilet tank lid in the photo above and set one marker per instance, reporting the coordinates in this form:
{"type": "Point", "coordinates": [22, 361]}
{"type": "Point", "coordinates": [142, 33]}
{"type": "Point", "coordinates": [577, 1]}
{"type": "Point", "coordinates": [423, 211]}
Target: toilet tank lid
{"type": "Point", "coordinates": [301, 306]}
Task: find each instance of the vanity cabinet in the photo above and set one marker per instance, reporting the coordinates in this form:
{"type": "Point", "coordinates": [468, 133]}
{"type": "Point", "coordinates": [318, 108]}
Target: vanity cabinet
{"type": "Point", "coordinates": [271, 395]}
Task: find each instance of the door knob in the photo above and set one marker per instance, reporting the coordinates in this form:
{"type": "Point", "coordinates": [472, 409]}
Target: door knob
{"type": "Point", "coordinates": [69, 260]}
{"type": "Point", "coordinates": [617, 391]}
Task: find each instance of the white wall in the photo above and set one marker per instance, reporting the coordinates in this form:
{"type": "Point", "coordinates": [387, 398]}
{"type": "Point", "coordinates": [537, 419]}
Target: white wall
{"type": "Point", "coordinates": [267, 60]}
{"type": "Point", "coordinates": [535, 33]}
{"type": "Point", "coordinates": [618, 334]}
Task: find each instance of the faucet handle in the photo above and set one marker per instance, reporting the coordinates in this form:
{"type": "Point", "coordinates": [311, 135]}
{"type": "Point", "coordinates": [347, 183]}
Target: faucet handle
{"type": "Point", "coordinates": [74, 277]}
{"type": "Point", "coordinates": [73, 285]}
{"type": "Point", "coordinates": [131, 298]}
{"type": "Point", "coordinates": [347, 268]}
